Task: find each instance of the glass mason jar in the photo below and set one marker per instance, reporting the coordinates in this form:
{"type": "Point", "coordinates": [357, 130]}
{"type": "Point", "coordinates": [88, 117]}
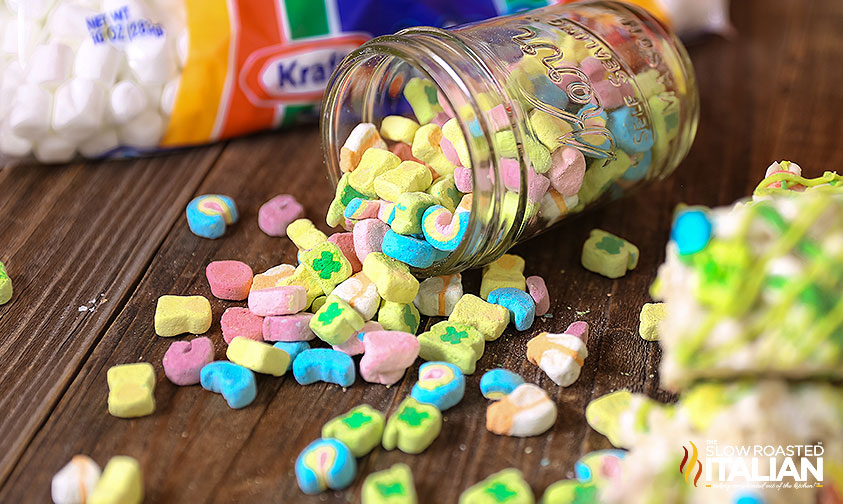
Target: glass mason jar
{"type": "Point", "coordinates": [535, 94]}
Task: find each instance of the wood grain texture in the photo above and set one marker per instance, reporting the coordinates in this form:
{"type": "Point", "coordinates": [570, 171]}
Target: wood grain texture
{"type": "Point", "coordinates": [770, 93]}
{"type": "Point", "coordinates": [74, 236]}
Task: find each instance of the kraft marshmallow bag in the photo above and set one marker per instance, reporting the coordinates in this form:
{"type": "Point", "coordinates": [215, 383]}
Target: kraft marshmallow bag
{"type": "Point", "coordinates": [120, 78]}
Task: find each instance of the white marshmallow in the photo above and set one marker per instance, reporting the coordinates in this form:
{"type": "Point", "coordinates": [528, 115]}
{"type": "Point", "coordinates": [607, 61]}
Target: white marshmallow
{"type": "Point", "coordinates": [67, 23]}
{"type": "Point", "coordinates": [32, 9]}
{"type": "Point", "coordinates": [54, 149]}
{"type": "Point", "coordinates": [78, 108]}
{"type": "Point", "coordinates": [75, 481]}
{"type": "Point", "coordinates": [49, 64]}
{"type": "Point", "coordinates": [168, 96]}
{"type": "Point", "coordinates": [11, 144]}
{"type": "Point", "coordinates": [31, 112]}
{"type": "Point", "coordinates": [127, 101]}
{"type": "Point", "coordinates": [143, 132]}
{"type": "Point", "coordinates": [100, 144]}
{"type": "Point", "coordinates": [97, 61]}
{"type": "Point", "coordinates": [151, 59]}
{"type": "Point", "coordinates": [182, 48]}
{"type": "Point", "coordinates": [16, 31]}
{"type": "Point", "coordinates": [12, 78]}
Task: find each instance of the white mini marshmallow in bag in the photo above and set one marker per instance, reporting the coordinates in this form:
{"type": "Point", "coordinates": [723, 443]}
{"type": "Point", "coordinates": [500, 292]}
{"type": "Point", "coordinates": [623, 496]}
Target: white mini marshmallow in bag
{"type": "Point", "coordinates": [127, 101]}
{"type": "Point", "coordinates": [50, 64]}
{"type": "Point", "coordinates": [54, 149]}
{"type": "Point", "coordinates": [31, 112]}
{"type": "Point", "coordinates": [78, 108]}
{"type": "Point", "coordinates": [97, 62]}
{"type": "Point", "coordinates": [142, 132]}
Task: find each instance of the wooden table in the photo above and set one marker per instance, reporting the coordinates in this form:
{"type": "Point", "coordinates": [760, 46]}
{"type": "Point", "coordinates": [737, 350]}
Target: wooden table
{"type": "Point", "coordinates": [91, 246]}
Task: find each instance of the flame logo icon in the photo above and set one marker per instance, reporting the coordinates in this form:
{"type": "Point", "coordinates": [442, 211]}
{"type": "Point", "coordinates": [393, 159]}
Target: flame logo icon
{"type": "Point", "coordinates": [686, 467]}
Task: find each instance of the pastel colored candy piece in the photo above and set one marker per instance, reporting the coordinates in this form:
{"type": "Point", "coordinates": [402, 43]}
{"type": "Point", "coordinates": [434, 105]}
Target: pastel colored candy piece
{"type": "Point", "coordinates": [438, 295]}
{"type": "Point", "coordinates": [600, 175]}
{"type": "Point", "coordinates": [412, 427]}
{"type": "Point", "coordinates": [567, 171]}
{"type": "Point", "coordinates": [442, 229]}
{"type": "Point", "coordinates": [550, 130]}
{"type": "Point", "coordinates": [121, 483]}
{"type": "Point", "coordinates": [506, 271]}
{"type": "Point", "coordinates": [209, 214]}
{"type": "Point", "coordinates": [526, 411]}
{"type": "Point", "coordinates": [608, 255]}
{"type": "Point", "coordinates": [397, 128]}
{"type": "Point", "coordinates": [427, 149]}
{"type": "Point", "coordinates": [649, 319]}
{"type": "Point", "coordinates": [399, 317]}
{"type": "Point", "coordinates": [505, 486]}
{"type": "Point", "coordinates": [360, 293]}
{"type": "Point", "coordinates": [374, 163]}
{"type": "Point", "coordinates": [276, 214]}
{"type": "Point", "coordinates": [230, 280]}
{"type": "Point", "coordinates": [325, 464]}
{"type": "Point", "coordinates": [406, 215]}
{"type": "Point", "coordinates": [601, 467]}
{"type": "Point", "coordinates": [510, 170]}
{"type": "Point", "coordinates": [359, 209]}
{"type": "Point", "coordinates": [131, 390]}
{"type": "Point", "coordinates": [326, 365]}
{"type": "Point", "coordinates": [422, 97]}
{"type": "Point", "coordinates": [445, 190]}
{"type": "Point", "coordinates": [285, 300]}
{"type": "Point", "coordinates": [303, 278]}
{"type": "Point", "coordinates": [390, 486]}
{"type": "Point", "coordinates": [522, 308]}
{"type": "Point", "coordinates": [554, 206]}
{"type": "Point", "coordinates": [364, 136]}
{"type": "Point", "coordinates": [410, 251]}
{"type": "Point", "coordinates": [240, 322]}
{"type": "Point", "coordinates": [74, 482]}
{"type": "Point", "coordinates": [258, 356]}
{"type": "Point", "coordinates": [353, 345]}
{"type": "Point", "coordinates": [185, 359]}
{"type": "Point", "coordinates": [497, 383]}
{"type": "Point", "coordinates": [235, 383]}
{"type": "Point", "coordinates": [640, 167]}
{"type": "Point", "coordinates": [449, 150]}
{"type": "Point", "coordinates": [488, 319]}
{"type": "Point", "coordinates": [453, 133]}
{"type": "Point", "coordinates": [409, 176]}
{"type": "Point", "coordinates": [342, 197]}
{"type": "Point", "coordinates": [630, 131]}
{"type": "Point", "coordinates": [498, 117]}
{"type": "Point", "coordinates": [691, 231]}
{"type": "Point", "coordinates": [345, 242]}
{"type": "Point", "coordinates": [405, 152]}
{"type": "Point", "coordinates": [387, 356]}
{"type": "Point", "coordinates": [271, 277]}
{"type": "Point", "coordinates": [387, 212]}
{"type": "Point", "coordinates": [318, 302]}
{"type": "Point", "coordinates": [560, 356]}
{"type": "Point", "coordinates": [327, 264]}
{"type": "Point", "coordinates": [464, 179]}
{"type": "Point", "coordinates": [5, 285]}
{"type": "Point", "coordinates": [537, 154]}
{"type": "Point", "coordinates": [608, 415]}
{"type": "Point", "coordinates": [368, 236]}
{"type": "Point", "coordinates": [287, 328]}
{"type": "Point", "coordinates": [538, 291]}
{"type": "Point", "coordinates": [392, 278]}
{"type": "Point", "coordinates": [293, 348]}
{"type": "Point", "coordinates": [176, 315]}
{"type": "Point", "coordinates": [441, 384]}
{"type": "Point", "coordinates": [304, 234]}
{"type": "Point", "coordinates": [567, 492]}
{"type": "Point", "coordinates": [336, 321]}
{"type": "Point", "coordinates": [449, 341]}
{"type": "Point", "coordinates": [360, 429]}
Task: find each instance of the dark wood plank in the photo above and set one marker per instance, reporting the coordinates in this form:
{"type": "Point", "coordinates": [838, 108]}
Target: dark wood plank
{"type": "Point", "coordinates": [768, 94]}
{"type": "Point", "coordinates": [75, 236]}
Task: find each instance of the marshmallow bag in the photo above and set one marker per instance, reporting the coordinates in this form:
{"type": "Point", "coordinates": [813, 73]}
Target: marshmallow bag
{"type": "Point", "coordinates": [120, 78]}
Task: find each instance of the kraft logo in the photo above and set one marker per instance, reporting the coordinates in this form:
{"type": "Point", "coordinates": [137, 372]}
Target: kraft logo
{"type": "Point", "coordinates": [294, 72]}
{"type": "Point", "coordinates": [687, 466]}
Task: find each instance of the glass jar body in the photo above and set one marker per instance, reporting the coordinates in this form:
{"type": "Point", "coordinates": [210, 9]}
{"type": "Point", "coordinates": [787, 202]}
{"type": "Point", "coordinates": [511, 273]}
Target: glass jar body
{"type": "Point", "coordinates": [558, 110]}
